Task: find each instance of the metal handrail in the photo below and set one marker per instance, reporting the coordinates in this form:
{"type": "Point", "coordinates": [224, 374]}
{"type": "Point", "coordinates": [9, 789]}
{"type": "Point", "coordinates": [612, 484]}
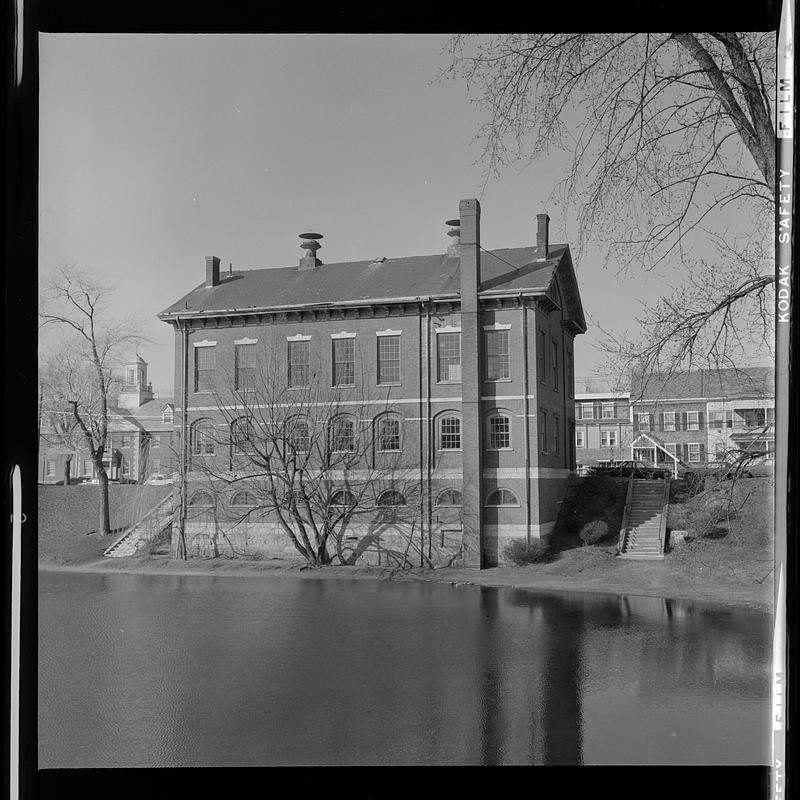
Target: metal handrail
{"type": "Point", "coordinates": [625, 514]}
{"type": "Point", "coordinates": [662, 528]}
{"type": "Point", "coordinates": [131, 528]}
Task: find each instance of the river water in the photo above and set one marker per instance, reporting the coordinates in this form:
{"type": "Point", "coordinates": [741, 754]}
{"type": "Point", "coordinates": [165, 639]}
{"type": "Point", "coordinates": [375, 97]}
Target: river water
{"type": "Point", "coordinates": [139, 670]}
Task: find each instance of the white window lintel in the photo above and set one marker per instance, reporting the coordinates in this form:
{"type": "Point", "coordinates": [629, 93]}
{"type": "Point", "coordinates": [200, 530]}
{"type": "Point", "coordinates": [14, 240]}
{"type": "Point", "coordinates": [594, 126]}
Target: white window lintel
{"type": "Point", "coordinates": [447, 329]}
{"type": "Point", "coordinates": [387, 332]}
{"type": "Point", "coordinates": [343, 335]}
{"type": "Point", "coordinates": [299, 337]}
{"type": "Point", "coordinates": [497, 326]}
{"type": "Point", "coordinates": [205, 343]}
{"type": "Point", "coordinates": [245, 341]}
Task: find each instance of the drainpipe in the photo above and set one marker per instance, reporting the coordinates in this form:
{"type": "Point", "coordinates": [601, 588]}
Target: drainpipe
{"type": "Point", "coordinates": [421, 447]}
{"type": "Point", "coordinates": [184, 435]}
{"type": "Point", "coordinates": [525, 420]}
{"type": "Point", "coordinates": [430, 443]}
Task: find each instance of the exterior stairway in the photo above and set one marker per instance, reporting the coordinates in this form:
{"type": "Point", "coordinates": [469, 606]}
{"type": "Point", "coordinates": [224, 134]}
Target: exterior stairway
{"type": "Point", "coordinates": [146, 529]}
{"type": "Point", "coordinates": [644, 523]}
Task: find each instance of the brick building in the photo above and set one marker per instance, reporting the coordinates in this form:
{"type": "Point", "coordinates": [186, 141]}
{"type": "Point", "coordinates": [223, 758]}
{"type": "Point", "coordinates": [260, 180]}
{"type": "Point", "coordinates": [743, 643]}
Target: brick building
{"type": "Point", "coordinates": [140, 443]}
{"type": "Point", "coordinates": [464, 357]}
{"type": "Point", "coordinates": [603, 431]}
{"type": "Point", "coordinates": [704, 417]}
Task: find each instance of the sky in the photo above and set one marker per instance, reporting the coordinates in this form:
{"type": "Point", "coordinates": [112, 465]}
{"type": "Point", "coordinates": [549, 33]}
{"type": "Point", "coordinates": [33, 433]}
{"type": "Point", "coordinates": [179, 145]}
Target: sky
{"type": "Point", "coordinates": [159, 150]}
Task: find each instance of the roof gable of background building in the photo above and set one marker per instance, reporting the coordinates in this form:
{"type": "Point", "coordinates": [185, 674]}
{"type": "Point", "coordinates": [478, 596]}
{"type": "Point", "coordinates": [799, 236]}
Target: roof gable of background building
{"type": "Point", "coordinates": [502, 271]}
{"type": "Point", "coordinates": [706, 384]}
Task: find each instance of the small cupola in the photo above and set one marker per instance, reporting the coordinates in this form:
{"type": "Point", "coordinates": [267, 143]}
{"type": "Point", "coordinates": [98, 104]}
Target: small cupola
{"type": "Point", "coordinates": [310, 245]}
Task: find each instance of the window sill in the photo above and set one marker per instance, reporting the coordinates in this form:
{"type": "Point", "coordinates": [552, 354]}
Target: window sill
{"type": "Point", "coordinates": [388, 384]}
{"type": "Point", "coordinates": [499, 449]}
{"type": "Point", "coordinates": [498, 380]}
{"type": "Point", "coordinates": [448, 383]}
{"type": "Point", "coordinates": [448, 450]}
{"type": "Point", "coordinates": [342, 386]}
{"type": "Point", "coordinates": [387, 452]}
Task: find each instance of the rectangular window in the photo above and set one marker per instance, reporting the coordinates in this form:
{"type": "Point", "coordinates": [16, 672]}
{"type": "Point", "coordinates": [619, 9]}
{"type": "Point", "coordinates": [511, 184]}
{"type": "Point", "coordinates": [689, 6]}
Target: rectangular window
{"type": "Point", "coordinates": [770, 416]}
{"type": "Point", "coordinates": [716, 419]}
{"type": "Point", "coordinates": [299, 358]}
{"type": "Point", "coordinates": [50, 468]}
{"type": "Point", "coordinates": [554, 363]}
{"type": "Point", "coordinates": [643, 421]}
{"type": "Point", "coordinates": [450, 433]}
{"type": "Point", "coordinates": [130, 376]}
{"type": "Point", "coordinates": [556, 435]}
{"type": "Point", "coordinates": [694, 452]}
{"type": "Point", "coordinates": [608, 438]}
{"type": "Point", "coordinates": [693, 420]}
{"type": "Point", "coordinates": [204, 366]}
{"type": "Point", "coordinates": [87, 466]}
{"type": "Point", "coordinates": [245, 366]}
{"type": "Point", "coordinates": [499, 432]}
{"type": "Point", "coordinates": [669, 420]}
{"type": "Point", "coordinates": [344, 362]}
{"type": "Point", "coordinates": [449, 357]}
{"type": "Point", "coordinates": [580, 437]}
{"type": "Point", "coordinates": [608, 411]}
{"type": "Point", "coordinates": [388, 359]}
{"type": "Point", "coordinates": [388, 434]}
{"type": "Point", "coordinates": [671, 448]}
{"type": "Point", "coordinates": [541, 355]}
{"type": "Point", "coordinates": [586, 410]}
{"type": "Point", "coordinates": [497, 356]}
{"type": "Point", "coordinates": [543, 431]}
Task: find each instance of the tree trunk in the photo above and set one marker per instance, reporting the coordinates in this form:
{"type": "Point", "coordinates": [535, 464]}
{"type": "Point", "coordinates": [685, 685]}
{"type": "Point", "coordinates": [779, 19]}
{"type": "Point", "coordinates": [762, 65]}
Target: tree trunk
{"type": "Point", "coordinates": [67, 470]}
{"type": "Point", "coordinates": [105, 521]}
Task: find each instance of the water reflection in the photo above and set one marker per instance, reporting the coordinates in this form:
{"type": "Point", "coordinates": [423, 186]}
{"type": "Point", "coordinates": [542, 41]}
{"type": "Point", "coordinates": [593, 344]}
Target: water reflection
{"type": "Point", "coordinates": [152, 670]}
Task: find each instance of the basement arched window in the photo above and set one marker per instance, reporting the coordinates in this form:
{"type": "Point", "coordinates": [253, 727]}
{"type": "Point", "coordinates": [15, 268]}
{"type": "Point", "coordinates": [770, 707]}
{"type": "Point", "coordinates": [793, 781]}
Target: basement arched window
{"type": "Point", "coordinates": [501, 498]}
{"type": "Point", "coordinates": [343, 498]}
{"type": "Point", "coordinates": [391, 498]}
{"type": "Point", "coordinates": [449, 497]}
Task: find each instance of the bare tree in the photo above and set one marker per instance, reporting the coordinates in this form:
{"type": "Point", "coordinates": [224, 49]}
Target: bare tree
{"type": "Point", "coordinates": [81, 374]}
{"type": "Point", "coordinates": [320, 463]}
{"type": "Point", "coordinates": [667, 135]}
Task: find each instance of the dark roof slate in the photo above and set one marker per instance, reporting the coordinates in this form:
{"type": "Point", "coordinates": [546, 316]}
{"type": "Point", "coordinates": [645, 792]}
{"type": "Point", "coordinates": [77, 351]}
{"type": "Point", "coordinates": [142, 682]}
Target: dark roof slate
{"type": "Point", "coordinates": [392, 278]}
{"type": "Point", "coordinates": [706, 384]}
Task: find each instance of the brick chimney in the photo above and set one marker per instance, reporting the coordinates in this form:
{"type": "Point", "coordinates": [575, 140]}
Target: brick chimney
{"type": "Point", "coordinates": [542, 236]}
{"type": "Point", "coordinates": [212, 271]}
{"type": "Point", "coordinates": [310, 245]}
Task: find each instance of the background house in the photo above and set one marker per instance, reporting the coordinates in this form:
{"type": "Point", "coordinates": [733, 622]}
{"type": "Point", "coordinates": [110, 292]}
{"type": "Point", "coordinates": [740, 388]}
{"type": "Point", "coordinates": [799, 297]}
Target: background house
{"type": "Point", "coordinates": [141, 438]}
{"type": "Point", "coordinates": [603, 430]}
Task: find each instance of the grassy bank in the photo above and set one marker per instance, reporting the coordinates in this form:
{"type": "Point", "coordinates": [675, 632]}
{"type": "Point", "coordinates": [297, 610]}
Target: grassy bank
{"type": "Point", "coordinates": [731, 565]}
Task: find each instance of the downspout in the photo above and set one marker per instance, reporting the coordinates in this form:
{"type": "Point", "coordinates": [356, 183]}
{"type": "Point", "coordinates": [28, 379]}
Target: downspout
{"type": "Point", "coordinates": [421, 449]}
{"type": "Point", "coordinates": [184, 436]}
{"type": "Point", "coordinates": [525, 420]}
{"type": "Point", "coordinates": [429, 422]}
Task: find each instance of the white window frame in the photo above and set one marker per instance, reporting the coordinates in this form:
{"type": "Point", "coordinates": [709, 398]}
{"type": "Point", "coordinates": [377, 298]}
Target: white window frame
{"type": "Point", "coordinates": [606, 435]}
{"type": "Point", "coordinates": [670, 426]}
{"type": "Point", "coordinates": [692, 453]}
{"type": "Point", "coordinates": [607, 407]}
{"type": "Point", "coordinates": [643, 416]}
{"type": "Point", "coordinates": [692, 420]}
{"type": "Point", "coordinates": [440, 434]}
{"type": "Point", "coordinates": [580, 437]}
{"type": "Point", "coordinates": [584, 406]}
{"type": "Point", "coordinates": [493, 416]}
{"type": "Point", "coordinates": [445, 332]}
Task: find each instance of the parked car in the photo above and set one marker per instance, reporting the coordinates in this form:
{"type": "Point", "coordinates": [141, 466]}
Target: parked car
{"type": "Point", "coordinates": [159, 479]}
{"type": "Point", "coordinates": [639, 469]}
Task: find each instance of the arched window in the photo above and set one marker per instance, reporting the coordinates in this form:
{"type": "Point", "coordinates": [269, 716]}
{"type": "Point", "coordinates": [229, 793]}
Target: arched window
{"type": "Point", "coordinates": [343, 498]}
{"type": "Point", "coordinates": [499, 430]}
{"type": "Point", "coordinates": [502, 497]}
{"type": "Point", "coordinates": [202, 438]}
{"type": "Point", "coordinates": [242, 436]}
{"type": "Point", "coordinates": [387, 433]}
{"type": "Point", "coordinates": [243, 498]}
{"type": "Point", "coordinates": [448, 497]}
{"type": "Point", "coordinates": [201, 507]}
{"type": "Point", "coordinates": [449, 432]}
{"type": "Point", "coordinates": [342, 435]}
{"type": "Point", "coordinates": [391, 498]}
{"type": "Point", "coordinates": [297, 434]}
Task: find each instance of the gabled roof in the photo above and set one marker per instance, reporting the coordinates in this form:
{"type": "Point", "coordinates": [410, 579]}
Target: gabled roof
{"type": "Point", "coordinates": [503, 271]}
{"type": "Point", "coordinates": [147, 417]}
{"type": "Point", "coordinates": [706, 384]}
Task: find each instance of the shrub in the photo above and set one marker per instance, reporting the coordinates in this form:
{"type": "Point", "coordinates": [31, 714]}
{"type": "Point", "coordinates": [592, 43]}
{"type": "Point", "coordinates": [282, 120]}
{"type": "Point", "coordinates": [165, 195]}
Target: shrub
{"type": "Point", "coordinates": [593, 532]}
{"type": "Point", "coordinates": [521, 552]}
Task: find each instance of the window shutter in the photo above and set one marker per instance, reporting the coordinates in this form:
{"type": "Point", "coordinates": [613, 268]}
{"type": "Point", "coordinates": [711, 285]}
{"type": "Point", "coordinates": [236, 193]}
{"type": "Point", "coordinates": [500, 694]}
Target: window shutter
{"type": "Point", "coordinates": [661, 421]}
{"type": "Point", "coordinates": [701, 419]}
{"type": "Point", "coordinates": [702, 452]}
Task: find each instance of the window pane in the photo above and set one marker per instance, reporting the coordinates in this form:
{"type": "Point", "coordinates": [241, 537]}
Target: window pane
{"type": "Point", "coordinates": [204, 366]}
{"type": "Point", "coordinates": [299, 357]}
{"type": "Point", "coordinates": [497, 355]}
{"type": "Point", "coordinates": [344, 362]}
{"type": "Point", "coordinates": [388, 359]}
{"type": "Point", "coordinates": [450, 434]}
{"type": "Point", "coordinates": [388, 434]}
{"type": "Point", "coordinates": [499, 432]}
{"type": "Point", "coordinates": [245, 361]}
{"type": "Point", "coordinates": [449, 346]}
